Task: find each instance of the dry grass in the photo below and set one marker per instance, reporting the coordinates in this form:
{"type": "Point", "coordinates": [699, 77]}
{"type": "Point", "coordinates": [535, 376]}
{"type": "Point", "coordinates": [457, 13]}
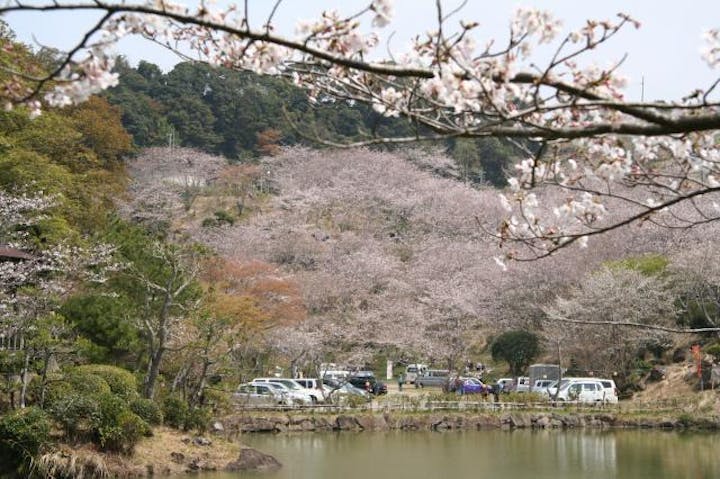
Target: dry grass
{"type": "Point", "coordinates": [80, 464]}
{"type": "Point", "coordinates": [155, 452]}
{"type": "Point", "coordinates": [152, 456]}
{"type": "Point", "coordinates": [677, 391]}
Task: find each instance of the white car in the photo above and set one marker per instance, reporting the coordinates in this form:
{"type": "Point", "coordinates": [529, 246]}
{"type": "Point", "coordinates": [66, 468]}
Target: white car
{"type": "Point", "coordinates": [293, 396]}
{"type": "Point", "coordinates": [338, 391]}
{"type": "Point", "coordinates": [610, 391]}
{"type": "Point", "coordinates": [585, 391]}
{"type": "Point", "coordinates": [542, 386]}
{"type": "Point", "coordinates": [312, 385]}
{"type": "Point", "coordinates": [306, 395]}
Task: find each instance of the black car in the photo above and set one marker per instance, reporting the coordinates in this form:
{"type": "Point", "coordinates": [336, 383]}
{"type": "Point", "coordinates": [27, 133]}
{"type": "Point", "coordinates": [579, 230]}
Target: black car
{"type": "Point", "coordinates": [366, 380]}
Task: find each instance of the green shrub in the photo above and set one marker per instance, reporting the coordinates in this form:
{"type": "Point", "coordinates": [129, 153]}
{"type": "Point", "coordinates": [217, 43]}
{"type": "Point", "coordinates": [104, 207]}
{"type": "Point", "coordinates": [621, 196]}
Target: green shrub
{"type": "Point", "coordinates": [76, 413]}
{"type": "Point", "coordinates": [223, 216]}
{"type": "Point", "coordinates": [118, 429]}
{"type": "Point", "coordinates": [147, 410]}
{"type": "Point", "coordinates": [122, 383]}
{"type": "Point", "coordinates": [123, 433]}
{"type": "Point", "coordinates": [175, 411]}
{"type": "Point", "coordinates": [198, 419]}
{"type": "Point", "coordinates": [81, 382]}
{"type": "Point", "coordinates": [23, 434]}
{"type": "Point", "coordinates": [95, 402]}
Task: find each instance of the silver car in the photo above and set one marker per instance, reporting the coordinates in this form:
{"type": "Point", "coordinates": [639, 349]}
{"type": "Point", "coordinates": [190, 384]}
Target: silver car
{"type": "Point", "coordinates": [433, 378]}
{"type": "Point", "coordinates": [260, 395]}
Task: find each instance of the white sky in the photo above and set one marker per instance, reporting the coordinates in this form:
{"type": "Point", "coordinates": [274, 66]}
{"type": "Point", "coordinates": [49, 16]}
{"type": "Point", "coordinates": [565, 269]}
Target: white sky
{"type": "Point", "coordinates": [665, 51]}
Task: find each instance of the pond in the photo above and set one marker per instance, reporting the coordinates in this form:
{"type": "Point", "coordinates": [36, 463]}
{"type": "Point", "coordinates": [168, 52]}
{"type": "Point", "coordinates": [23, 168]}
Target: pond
{"type": "Point", "coordinates": [557, 454]}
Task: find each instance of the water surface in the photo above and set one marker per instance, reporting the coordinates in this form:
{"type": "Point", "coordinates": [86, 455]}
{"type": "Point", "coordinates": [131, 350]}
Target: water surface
{"type": "Point", "coordinates": [522, 454]}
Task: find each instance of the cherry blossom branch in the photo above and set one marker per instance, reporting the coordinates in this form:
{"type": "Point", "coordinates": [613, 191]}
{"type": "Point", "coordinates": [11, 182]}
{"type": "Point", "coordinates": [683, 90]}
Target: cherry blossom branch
{"type": "Point", "coordinates": [632, 324]}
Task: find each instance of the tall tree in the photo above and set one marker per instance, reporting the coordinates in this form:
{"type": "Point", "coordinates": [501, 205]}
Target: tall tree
{"type": "Point", "coordinates": [160, 279]}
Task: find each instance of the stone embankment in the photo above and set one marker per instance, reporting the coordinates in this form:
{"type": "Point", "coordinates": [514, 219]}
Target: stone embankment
{"type": "Point", "coordinates": [235, 425]}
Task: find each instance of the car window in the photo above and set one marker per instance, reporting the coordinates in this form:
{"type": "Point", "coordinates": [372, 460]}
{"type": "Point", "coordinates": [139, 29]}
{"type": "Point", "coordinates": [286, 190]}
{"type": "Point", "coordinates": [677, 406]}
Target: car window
{"type": "Point", "coordinates": [246, 389]}
{"type": "Point", "coordinates": [263, 390]}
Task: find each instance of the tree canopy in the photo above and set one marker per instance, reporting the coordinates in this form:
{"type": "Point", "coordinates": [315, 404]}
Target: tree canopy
{"type": "Point", "coordinates": [655, 161]}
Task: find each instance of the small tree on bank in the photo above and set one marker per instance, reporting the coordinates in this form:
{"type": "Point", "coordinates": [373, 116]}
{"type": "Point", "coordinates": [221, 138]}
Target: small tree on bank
{"type": "Point", "coordinates": [518, 348]}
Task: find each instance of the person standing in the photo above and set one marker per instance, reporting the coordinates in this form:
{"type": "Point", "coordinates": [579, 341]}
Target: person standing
{"type": "Point", "coordinates": [401, 381]}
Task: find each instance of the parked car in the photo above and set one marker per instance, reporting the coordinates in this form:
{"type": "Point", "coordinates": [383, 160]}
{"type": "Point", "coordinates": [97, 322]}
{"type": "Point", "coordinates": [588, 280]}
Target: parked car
{"type": "Point", "coordinates": [610, 391]}
{"type": "Point", "coordinates": [586, 391]}
{"type": "Point", "coordinates": [260, 395]}
{"type": "Point", "coordinates": [313, 385]}
{"type": "Point", "coordinates": [337, 391]}
{"type": "Point", "coordinates": [309, 396]}
{"type": "Point", "coordinates": [474, 386]}
{"type": "Point", "coordinates": [295, 396]}
{"type": "Point", "coordinates": [542, 386]}
{"type": "Point", "coordinates": [433, 378]}
{"type": "Point", "coordinates": [366, 380]}
{"type": "Point", "coordinates": [504, 384]}
{"type": "Point", "coordinates": [521, 384]}
{"type": "Point", "coordinates": [412, 371]}
{"type": "Point", "coordinates": [334, 374]}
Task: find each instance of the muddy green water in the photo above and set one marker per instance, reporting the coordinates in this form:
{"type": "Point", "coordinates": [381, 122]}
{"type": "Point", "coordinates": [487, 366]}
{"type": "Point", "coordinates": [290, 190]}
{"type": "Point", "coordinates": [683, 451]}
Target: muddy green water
{"type": "Point", "coordinates": [493, 454]}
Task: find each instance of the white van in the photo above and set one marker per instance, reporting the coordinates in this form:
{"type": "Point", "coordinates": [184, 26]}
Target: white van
{"type": "Point", "coordinates": [412, 371]}
{"type": "Point", "coordinates": [609, 392]}
{"type": "Point", "coordinates": [587, 391]}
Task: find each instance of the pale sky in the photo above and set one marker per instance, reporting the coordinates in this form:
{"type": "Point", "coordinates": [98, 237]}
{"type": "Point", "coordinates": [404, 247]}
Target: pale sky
{"type": "Point", "coordinates": [665, 51]}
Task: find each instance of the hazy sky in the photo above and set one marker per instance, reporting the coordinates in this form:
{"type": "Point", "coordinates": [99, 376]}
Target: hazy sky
{"type": "Point", "coordinates": [665, 51]}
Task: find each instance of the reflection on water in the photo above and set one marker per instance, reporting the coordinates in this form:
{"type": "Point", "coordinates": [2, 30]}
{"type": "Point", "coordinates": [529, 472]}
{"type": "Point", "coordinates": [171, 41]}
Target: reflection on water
{"type": "Point", "coordinates": [497, 454]}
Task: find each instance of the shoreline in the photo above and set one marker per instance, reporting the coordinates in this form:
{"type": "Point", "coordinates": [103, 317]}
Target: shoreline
{"type": "Point", "coordinates": [237, 425]}
{"type": "Point", "coordinates": [173, 453]}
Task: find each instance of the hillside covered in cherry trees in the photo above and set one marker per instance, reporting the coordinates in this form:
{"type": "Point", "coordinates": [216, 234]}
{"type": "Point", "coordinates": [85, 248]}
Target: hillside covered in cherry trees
{"type": "Point", "coordinates": [390, 257]}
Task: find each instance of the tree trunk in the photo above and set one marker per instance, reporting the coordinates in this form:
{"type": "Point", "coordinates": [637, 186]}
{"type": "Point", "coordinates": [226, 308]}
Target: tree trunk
{"type": "Point", "coordinates": [46, 365]}
{"type": "Point", "coordinates": [180, 378]}
{"type": "Point", "coordinates": [24, 377]}
{"type": "Point", "coordinates": [152, 373]}
{"type": "Point", "coordinates": [198, 393]}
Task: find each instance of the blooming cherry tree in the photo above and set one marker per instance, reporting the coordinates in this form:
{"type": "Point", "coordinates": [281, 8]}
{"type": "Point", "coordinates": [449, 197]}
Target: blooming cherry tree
{"type": "Point", "coordinates": [581, 135]}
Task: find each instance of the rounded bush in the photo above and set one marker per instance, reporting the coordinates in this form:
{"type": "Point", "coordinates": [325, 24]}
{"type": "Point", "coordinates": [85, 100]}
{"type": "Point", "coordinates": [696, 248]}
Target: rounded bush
{"type": "Point", "coordinates": [198, 419]}
{"type": "Point", "coordinates": [175, 411]}
{"type": "Point", "coordinates": [147, 410]}
{"type": "Point", "coordinates": [122, 383]}
{"type": "Point", "coordinates": [118, 429]}
{"type": "Point", "coordinates": [122, 434]}
{"type": "Point", "coordinates": [77, 413]}
{"type": "Point", "coordinates": [82, 382]}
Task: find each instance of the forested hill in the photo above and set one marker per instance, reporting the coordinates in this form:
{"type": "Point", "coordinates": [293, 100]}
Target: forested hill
{"type": "Point", "coordinates": [383, 254]}
{"type": "Point", "coordinates": [241, 115]}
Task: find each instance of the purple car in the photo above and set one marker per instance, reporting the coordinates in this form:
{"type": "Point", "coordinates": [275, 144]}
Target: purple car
{"type": "Point", "coordinates": [474, 386]}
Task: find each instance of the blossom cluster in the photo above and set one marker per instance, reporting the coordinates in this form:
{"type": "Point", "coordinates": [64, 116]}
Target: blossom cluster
{"type": "Point", "coordinates": [455, 86]}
